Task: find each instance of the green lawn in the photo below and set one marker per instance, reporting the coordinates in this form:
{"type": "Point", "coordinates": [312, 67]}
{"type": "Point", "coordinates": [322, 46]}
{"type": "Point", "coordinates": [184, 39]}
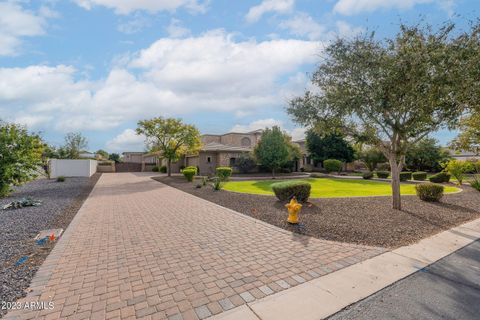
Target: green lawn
{"type": "Point", "coordinates": [328, 188]}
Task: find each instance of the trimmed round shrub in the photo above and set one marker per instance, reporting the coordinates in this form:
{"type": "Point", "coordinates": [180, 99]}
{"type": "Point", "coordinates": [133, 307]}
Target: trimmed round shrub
{"type": "Point", "coordinates": [224, 173]}
{"type": "Point", "coordinates": [191, 168]}
{"type": "Point", "coordinates": [419, 176]}
{"type": "Point", "coordinates": [189, 174]}
{"type": "Point", "coordinates": [286, 190]}
{"type": "Point", "coordinates": [430, 192]}
{"type": "Point", "coordinates": [60, 179]}
{"type": "Point", "coordinates": [333, 165]}
{"type": "Point", "coordinates": [405, 175]}
{"type": "Point", "coordinates": [163, 169]}
{"type": "Point", "coordinates": [367, 175]}
{"type": "Point", "coordinates": [383, 174]}
{"type": "Point", "coordinates": [440, 177]}
{"type": "Point", "coordinates": [155, 169]}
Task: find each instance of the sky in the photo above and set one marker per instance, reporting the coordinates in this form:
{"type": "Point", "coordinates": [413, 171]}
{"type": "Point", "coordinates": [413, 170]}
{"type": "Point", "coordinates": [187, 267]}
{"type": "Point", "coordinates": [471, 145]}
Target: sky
{"type": "Point", "coordinates": [99, 66]}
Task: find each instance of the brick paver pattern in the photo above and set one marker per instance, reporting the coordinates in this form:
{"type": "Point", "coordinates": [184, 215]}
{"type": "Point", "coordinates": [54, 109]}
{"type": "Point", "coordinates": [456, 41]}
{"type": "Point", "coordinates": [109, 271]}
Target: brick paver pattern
{"type": "Point", "coordinates": [140, 249]}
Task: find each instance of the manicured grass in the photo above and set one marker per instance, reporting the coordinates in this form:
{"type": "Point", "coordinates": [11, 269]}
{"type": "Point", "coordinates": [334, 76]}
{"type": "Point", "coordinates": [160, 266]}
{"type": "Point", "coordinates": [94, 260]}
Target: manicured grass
{"type": "Point", "coordinates": [329, 188]}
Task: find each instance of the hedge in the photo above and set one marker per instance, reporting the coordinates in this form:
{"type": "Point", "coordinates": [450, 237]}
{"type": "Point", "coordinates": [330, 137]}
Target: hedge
{"type": "Point", "coordinates": [440, 177]}
{"type": "Point", "coordinates": [367, 175]}
{"type": "Point", "coordinates": [189, 174]}
{"type": "Point", "coordinates": [419, 176]}
{"type": "Point", "coordinates": [224, 173]}
{"type": "Point", "coordinates": [286, 190]}
{"type": "Point", "coordinates": [405, 175]}
{"type": "Point", "coordinates": [333, 165]}
{"type": "Point", "coordinates": [430, 192]}
{"type": "Point", "coordinates": [383, 174]}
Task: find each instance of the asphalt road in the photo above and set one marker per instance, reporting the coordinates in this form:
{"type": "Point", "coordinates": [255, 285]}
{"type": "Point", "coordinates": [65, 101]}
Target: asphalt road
{"type": "Point", "coordinates": [448, 289]}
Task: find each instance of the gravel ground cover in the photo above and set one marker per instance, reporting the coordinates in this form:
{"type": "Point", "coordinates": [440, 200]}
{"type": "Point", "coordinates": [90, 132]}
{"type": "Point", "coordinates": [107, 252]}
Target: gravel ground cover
{"type": "Point", "coordinates": [364, 220]}
{"type": "Point", "coordinates": [61, 201]}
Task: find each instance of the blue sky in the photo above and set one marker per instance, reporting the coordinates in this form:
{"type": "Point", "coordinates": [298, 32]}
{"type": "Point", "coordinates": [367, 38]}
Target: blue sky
{"type": "Point", "coordinates": [99, 66]}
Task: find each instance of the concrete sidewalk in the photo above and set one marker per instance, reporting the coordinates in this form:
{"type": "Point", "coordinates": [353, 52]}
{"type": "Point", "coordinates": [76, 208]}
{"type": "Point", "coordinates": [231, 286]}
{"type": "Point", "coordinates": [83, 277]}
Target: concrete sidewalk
{"type": "Point", "coordinates": [447, 289]}
{"type": "Point", "coordinates": [322, 297]}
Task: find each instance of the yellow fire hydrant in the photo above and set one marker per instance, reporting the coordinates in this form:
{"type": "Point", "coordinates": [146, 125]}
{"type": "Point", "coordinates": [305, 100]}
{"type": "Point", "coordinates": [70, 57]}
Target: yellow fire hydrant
{"type": "Point", "coordinates": [293, 209]}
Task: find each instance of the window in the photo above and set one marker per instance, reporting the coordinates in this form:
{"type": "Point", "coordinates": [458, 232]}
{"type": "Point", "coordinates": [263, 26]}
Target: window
{"type": "Point", "coordinates": [209, 159]}
{"type": "Point", "coordinates": [246, 142]}
{"type": "Point", "coordinates": [232, 161]}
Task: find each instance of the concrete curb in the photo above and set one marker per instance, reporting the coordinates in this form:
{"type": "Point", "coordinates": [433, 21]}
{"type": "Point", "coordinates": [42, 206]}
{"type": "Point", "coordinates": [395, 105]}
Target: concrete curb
{"type": "Point", "coordinates": [324, 296]}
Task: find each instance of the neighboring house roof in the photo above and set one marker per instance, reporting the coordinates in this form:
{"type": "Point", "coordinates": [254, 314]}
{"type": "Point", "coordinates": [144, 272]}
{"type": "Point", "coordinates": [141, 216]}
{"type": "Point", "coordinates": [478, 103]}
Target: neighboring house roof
{"type": "Point", "coordinates": [462, 154]}
{"type": "Point", "coordinates": [214, 146]}
{"type": "Point", "coordinates": [133, 152]}
{"type": "Point", "coordinates": [229, 133]}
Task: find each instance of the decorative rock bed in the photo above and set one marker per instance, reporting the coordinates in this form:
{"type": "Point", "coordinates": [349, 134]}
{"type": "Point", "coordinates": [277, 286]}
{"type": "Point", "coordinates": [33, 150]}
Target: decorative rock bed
{"type": "Point", "coordinates": [20, 255]}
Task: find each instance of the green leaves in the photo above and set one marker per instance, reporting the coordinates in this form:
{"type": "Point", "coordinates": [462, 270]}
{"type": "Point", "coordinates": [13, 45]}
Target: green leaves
{"type": "Point", "coordinates": [274, 150]}
{"type": "Point", "coordinates": [171, 137]}
{"type": "Point", "coordinates": [20, 156]}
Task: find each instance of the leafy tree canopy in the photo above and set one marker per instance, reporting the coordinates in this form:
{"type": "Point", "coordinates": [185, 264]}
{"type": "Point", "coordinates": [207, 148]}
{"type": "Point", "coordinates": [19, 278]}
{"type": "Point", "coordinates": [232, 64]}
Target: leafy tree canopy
{"type": "Point", "coordinates": [426, 155]}
{"type": "Point", "coordinates": [102, 153]}
{"type": "Point", "coordinates": [395, 92]}
{"type": "Point", "coordinates": [114, 157]}
{"type": "Point", "coordinates": [328, 146]}
{"type": "Point", "coordinates": [469, 137]}
{"type": "Point", "coordinates": [20, 156]}
{"type": "Point", "coordinates": [275, 149]}
{"type": "Point", "coordinates": [171, 137]}
{"type": "Point", "coordinates": [74, 144]}
{"type": "Point", "coordinates": [371, 157]}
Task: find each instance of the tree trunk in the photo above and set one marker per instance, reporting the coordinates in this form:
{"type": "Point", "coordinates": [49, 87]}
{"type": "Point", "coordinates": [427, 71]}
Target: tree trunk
{"type": "Point", "coordinates": [169, 164]}
{"type": "Point", "coordinates": [395, 171]}
{"type": "Point", "coordinates": [273, 173]}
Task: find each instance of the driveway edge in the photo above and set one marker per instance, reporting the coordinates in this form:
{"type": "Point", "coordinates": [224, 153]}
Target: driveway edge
{"type": "Point", "coordinates": [324, 296]}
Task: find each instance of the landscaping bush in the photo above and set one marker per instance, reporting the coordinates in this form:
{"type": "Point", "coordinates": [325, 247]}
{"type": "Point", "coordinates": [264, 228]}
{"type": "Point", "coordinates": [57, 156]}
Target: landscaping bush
{"type": "Point", "coordinates": [163, 169]}
{"type": "Point", "coordinates": [383, 174]}
{"type": "Point", "coordinates": [429, 191]}
{"type": "Point", "coordinates": [419, 176]}
{"type": "Point", "coordinates": [61, 179]}
{"type": "Point", "coordinates": [440, 177]}
{"type": "Point", "coordinates": [333, 165]}
{"type": "Point", "coordinates": [155, 169]}
{"type": "Point", "coordinates": [224, 173]}
{"type": "Point", "coordinates": [476, 184]}
{"type": "Point", "coordinates": [217, 183]}
{"type": "Point", "coordinates": [405, 175]}
{"type": "Point", "coordinates": [286, 190]}
{"type": "Point", "coordinates": [367, 175]}
{"type": "Point", "coordinates": [457, 169]}
{"type": "Point", "coordinates": [191, 168]}
{"type": "Point", "coordinates": [189, 174]}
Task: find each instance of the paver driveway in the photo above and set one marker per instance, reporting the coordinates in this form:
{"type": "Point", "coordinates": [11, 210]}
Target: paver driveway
{"type": "Point", "coordinates": [138, 248]}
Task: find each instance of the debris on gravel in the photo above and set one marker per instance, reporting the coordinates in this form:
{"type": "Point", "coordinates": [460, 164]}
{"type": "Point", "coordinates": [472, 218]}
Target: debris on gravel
{"type": "Point", "coordinates": [20, 254]}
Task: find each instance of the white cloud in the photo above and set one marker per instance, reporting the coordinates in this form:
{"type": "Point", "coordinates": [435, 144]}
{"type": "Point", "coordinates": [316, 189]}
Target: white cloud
{"type": "Point", "coordinates": [209, 73]}
{"type": "Point", "coordinates": [176, 30]}
{"type": "Point", "coordinates": [278, 6]}
{"type": "Point", "coordinates": [304, 25]}
{"type": "Point", "coordinates": [152, 6]}
{"type": "Point", "coordinates": [134, 25]}
{"type": "Point", "coordinates": [344, 29]}
{"type": "Point", "coordinates": [295, 133]}
{"type": "Point", "coordinates": [351, 7]}
{"type": "Point", "coordinates": [17, 23]}
{"type": "Point", "coordinates": [128, 140]}
{"type": "Point", "coordinates": [255, 125]}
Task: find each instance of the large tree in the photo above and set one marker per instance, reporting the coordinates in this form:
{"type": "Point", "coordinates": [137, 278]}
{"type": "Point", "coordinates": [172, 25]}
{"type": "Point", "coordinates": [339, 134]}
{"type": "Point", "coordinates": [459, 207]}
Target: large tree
{"type": "Point", "coordinates": [275, 149]}
{"type": "Point", "coordinates": [392, 93]}
{"type": "Point", "coordinates": [426, 155]}
{"type": "Point", "coordinates": [74, 144]}
{"type": "Point", "coordinates": [328, 146]}
{"type": "Point", "coordinates": [20, 156]}
{"type": "Point", "coordinates": [371, 157]}
{"type": "Point", "coordinates": [469, 137]}
{"type": "Point", "coordinates": [171, 137]}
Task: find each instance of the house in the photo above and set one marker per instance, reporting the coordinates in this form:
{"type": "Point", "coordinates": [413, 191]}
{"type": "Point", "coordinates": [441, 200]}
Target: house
{"type": "Point", "coordinates": [219, 150]}
{"type": "Point", "coordinates": [463, 155]}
